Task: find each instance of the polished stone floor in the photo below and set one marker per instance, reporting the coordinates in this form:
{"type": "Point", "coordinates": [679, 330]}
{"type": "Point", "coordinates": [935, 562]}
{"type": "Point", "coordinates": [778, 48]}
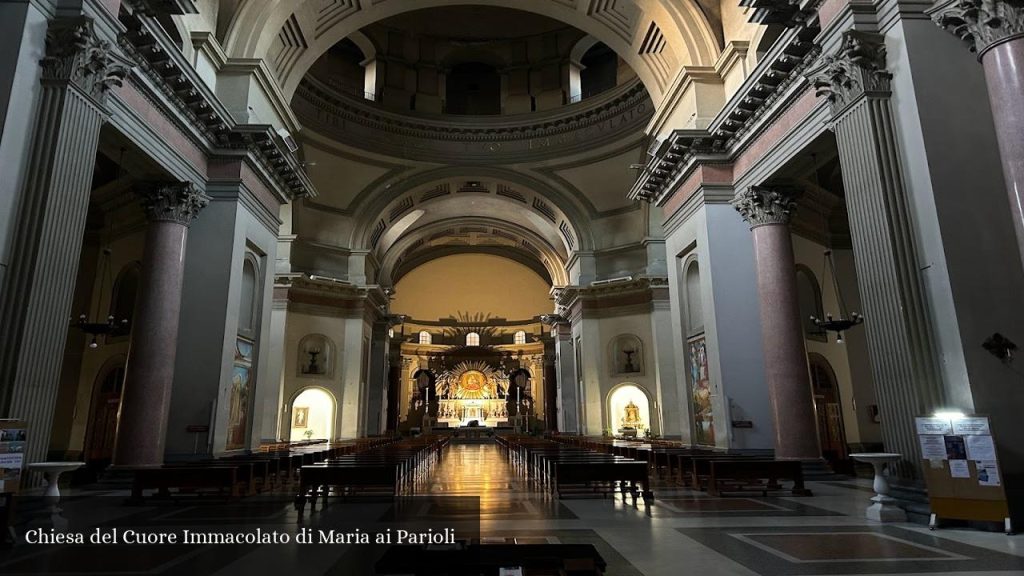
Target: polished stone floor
{"type": "Point", "coordinates": [473, 489]}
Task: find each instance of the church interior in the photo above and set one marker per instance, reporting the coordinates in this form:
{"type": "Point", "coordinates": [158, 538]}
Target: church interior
{"type": "Point", "coordinates": [597, 286]}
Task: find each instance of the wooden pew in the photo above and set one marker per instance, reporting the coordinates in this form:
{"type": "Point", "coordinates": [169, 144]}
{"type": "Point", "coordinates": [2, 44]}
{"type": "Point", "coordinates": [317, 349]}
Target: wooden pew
{"type": "Point", "coordinates": [223, 479]}
{"type": "Point", "coordinates": [729, 473]}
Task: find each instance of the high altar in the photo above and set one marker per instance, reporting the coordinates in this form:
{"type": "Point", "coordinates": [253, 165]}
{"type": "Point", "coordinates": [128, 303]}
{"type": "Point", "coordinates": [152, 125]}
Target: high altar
{"type": "Point", "coordinates": [472, 391]}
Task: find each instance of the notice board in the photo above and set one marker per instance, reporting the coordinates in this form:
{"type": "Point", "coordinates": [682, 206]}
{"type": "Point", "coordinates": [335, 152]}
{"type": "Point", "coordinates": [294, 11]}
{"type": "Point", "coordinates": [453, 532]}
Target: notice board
{"type": "Point", "coordinates": [961, 469]}
{"type": "Point", "coordinates": [12, 454]}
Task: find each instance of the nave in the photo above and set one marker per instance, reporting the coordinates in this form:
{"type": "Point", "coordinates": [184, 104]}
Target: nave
{"type": "Point", "coordinates": [739, 535]}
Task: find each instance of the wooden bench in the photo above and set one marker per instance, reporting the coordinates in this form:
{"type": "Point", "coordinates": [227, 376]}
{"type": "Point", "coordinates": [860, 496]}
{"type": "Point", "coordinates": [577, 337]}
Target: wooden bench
{"type": "Point", "coordinates": [223, 479]}
{"type": "Point", "coordinates": [740, 473]}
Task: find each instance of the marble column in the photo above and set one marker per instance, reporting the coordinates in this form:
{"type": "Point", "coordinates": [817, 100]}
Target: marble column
{"type": "Point", "coordinates": [904, 362]}
{"type": "Point", "coordinates": [785, 358]}
{"type": "Point", "coordinates": [995, 30]}
{"type": "Point", "coordinates": [77, 72]}
{"type": "Point", "coordinates": [142, 425]}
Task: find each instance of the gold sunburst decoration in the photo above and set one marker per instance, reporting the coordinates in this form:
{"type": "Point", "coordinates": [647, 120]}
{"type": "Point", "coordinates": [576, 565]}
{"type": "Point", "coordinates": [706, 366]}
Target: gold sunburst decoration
{"type": "Point", "coordinates": [473, 380]}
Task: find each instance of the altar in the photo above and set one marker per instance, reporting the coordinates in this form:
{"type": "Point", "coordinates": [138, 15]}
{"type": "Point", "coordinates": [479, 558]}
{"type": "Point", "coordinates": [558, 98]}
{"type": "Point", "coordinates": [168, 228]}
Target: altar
{"type": "Point", "coordinates": [472, 392]}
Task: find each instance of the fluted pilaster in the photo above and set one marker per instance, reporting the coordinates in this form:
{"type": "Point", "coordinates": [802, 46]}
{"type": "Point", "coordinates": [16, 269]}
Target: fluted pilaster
{"type": "Point", "coordinates": [903, 357]}
{"type": "Point", "coordinates": [78, 70]}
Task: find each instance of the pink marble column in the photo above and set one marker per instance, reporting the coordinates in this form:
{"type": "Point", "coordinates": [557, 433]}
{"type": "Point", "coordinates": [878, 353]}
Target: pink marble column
{"type": "Point", "coordinates": [142, 422]}
{"type": "Point", "coordinates": [1004, 74]}
{"type": "Point", "coordinates": [789, 386]}
{"type": "Point", "coordinates": [995, 30]}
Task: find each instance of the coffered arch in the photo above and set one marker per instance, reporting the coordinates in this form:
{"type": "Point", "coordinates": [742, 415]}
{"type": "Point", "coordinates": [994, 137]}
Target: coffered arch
{"type": "Point", "coordinates": [482, 192]}
{"type": "Point", "coordinates": [653, 38]}
{"type": "Point", "coordinates": [473, 235]}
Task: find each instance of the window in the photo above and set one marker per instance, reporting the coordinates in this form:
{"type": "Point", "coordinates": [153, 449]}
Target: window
{"type": "Point", "coordinates": [519, 337]}
{"type": "Point", "coordinates": [472, 339]}
{"type": "Point", "coordinates": [425, 337]}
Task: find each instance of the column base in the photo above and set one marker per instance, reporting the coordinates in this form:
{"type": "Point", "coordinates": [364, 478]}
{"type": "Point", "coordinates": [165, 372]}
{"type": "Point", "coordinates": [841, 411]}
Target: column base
{"type": "Point", "coordinates": [885, 509]}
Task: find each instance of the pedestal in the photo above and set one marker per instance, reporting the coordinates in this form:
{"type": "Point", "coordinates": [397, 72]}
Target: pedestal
{"type": "Point", "coordinates": [884, 508]}
{"type": "Point", "coordinates": [51, 473]}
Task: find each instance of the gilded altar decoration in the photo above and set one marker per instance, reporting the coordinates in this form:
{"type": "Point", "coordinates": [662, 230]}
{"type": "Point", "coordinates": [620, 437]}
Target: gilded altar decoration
{"type": "Point", "coordinates": [632, 419]}
{"type": "Point", "coordinates": [472, 391]}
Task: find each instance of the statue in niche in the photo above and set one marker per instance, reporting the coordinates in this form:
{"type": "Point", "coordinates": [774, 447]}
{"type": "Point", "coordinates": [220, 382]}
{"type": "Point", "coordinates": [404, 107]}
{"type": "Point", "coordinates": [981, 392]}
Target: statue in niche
{"type": "Point", "coordinates": [313, 367]}
{"type": "Point", "coordinates": [632, 416]}
{"type": "Point", "coordinates": [316, 353]}
{"type": "Point", "coordinates": [629, 366]}
{"type": "Point", "coordinates": [626, 353]}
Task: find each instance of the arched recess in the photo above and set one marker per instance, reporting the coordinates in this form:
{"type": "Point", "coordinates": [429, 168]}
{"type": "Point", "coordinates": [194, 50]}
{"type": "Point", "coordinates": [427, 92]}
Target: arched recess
{"type": "Point", "coordinates": [808, 293]}
{"type": "Point", "coordinates": [626, 355]}
{"type": "Point", "coordinates": [313, 414]}
{"type": "Point", "coordinates": [104, 409]}
{"type": "Point", "coordinates": [316, 356]}
{"type": "Point", "coordinates": [620, 412]}
{"type": "Point", "coordinates": [828, 407]}
{"type": "Point", "coordinates": [126, 287]}
{"type": "Point", "coordinates": [681, 32]}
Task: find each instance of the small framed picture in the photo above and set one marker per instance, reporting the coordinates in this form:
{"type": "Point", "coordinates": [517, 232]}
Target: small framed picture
{"type": "Point", "coordinates": [300, 418]}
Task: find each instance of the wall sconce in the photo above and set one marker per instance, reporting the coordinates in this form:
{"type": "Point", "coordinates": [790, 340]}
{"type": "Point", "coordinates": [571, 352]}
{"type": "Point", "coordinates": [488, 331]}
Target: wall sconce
{"type": "Point", "coordinates": [1000, 346]}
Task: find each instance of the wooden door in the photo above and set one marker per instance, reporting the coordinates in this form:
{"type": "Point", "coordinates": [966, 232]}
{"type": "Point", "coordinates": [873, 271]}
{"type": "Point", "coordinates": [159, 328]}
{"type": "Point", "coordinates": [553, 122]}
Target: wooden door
{"type": "Point", "coordinates": [103, 425]}
{"type": "Point", "coordinates": [829, 411]}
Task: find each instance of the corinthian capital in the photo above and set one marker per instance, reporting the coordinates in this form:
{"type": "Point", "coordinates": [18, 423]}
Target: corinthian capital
{"type": "Point", "coordinates": [761, 206]}
{"type": "Point", "coordinates": [981, 23]}
{"type": "Point", "coordinates": [171, 201]}
{"type": "Point", "coordinates": [75, 54]}
{"type": "Point", "coordinates": [856, 69]}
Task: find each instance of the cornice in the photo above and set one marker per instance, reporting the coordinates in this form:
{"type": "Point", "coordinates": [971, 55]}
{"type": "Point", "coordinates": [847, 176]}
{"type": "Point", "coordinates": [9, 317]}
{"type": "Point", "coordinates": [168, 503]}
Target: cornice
{"type": "Point", "coordinates": [205, 117]}
{"type": "Point", "coordinates": [491, 140]}
{"type": "Point", "coordinates": [739, 121]}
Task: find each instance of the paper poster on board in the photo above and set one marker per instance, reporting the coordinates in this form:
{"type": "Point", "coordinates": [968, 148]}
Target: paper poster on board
{"type": "Point", "coordinates": [926, 425]}
{"type": "Point", "coordinates": [988, 473]}
{"type": "Point", "coordinates": [12, 454]}
{"type": "Point", "coordinates": [980, 447]}
{"type": "Point", "coordinates": [959, 469]}
{"type": "Point", "coordinates": [971, 425]}
{"type": "Point", "coordinates": [933, 447]}
{"type": "Point", "coordinates": [956, 449]}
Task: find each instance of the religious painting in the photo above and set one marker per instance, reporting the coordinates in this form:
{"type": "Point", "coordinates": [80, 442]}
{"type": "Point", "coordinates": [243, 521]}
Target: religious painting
{"type": "Point", "coordinates": [301, 418]}
{"type": "Point", "coordinates": [241, 387]}
{"type": "Point", "coordinates": [627, 355]}
{"type": "Point", "coordinates": [700, 393]}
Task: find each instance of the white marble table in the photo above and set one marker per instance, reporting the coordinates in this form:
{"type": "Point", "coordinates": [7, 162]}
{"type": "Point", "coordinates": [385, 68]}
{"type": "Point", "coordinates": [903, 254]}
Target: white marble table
{"type": "Point", "coordinates": [884, 508]}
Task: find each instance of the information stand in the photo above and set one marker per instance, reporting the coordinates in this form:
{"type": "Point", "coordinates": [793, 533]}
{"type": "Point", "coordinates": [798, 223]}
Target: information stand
{"type": "Point", "coordinates": [962, 470]}
{"type": "Point", "coordinates": [12, 461]}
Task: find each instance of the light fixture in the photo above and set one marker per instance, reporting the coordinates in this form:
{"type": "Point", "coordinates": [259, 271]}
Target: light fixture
{"type": "Point", "coordinates": [109, 326]}
{"type": "Point", "coordinates": [845, 321]}
{"type": "Point", "coordinates": [950, 415]}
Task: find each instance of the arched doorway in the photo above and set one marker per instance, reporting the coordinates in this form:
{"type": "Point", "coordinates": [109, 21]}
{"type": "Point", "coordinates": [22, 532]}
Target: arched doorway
{"type": "Point", "coordinates": [829, 411]}
{"type": "Point", "coordinates": [312, 415]}
{"type": "Point", "coordinates": [106, 403]}
{"type": "Point", "coordinates": [629, 408]}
